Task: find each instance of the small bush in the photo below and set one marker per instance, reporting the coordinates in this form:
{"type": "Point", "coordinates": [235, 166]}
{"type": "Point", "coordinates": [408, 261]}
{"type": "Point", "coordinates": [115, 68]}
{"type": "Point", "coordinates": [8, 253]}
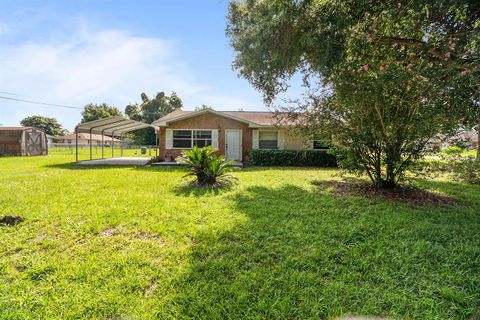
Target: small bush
{"type": "Point", "coordinates": [467, 171]}
{"type": "Point", "coordinates": [208, 167]}
{"type": "Point", "coordinates": [302, 158]}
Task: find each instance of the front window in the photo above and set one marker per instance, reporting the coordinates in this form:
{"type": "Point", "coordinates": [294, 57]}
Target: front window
{"type": "Point", "coordinates": [267, 139]}
{"type": "Point", "coordinates": [320, 143]}
{"type": "Point", "coordinates": [186, 139]}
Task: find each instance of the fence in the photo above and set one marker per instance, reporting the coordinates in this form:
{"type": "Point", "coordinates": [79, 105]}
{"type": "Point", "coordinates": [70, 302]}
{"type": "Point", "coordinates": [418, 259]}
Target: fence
{"type": "Point", "coordinates": [120, 150]}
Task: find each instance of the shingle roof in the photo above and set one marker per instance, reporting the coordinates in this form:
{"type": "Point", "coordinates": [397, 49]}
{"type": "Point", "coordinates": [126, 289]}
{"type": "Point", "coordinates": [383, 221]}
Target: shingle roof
{"type": "Point", "coordinates": [261, 118]}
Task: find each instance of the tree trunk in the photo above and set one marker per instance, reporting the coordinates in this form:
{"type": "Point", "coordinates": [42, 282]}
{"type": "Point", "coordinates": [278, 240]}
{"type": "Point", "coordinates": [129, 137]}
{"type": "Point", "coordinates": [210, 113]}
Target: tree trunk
{"type": "Point", "coordinates": [390, 179]}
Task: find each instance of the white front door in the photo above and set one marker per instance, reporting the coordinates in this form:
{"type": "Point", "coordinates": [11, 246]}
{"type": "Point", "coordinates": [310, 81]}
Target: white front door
{"type": "Point", "coordinates": [233, 144]}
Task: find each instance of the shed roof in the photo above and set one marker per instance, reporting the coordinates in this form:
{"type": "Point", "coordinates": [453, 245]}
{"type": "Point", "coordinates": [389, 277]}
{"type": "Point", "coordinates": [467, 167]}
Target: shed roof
{"type": "Point", "coordinates": [17, 128]}
{"type": "Point", "coordinates": [112, 126]}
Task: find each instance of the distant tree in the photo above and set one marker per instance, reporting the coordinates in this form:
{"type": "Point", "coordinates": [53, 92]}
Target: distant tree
{"type": "Point", "coordinates": [50, 125]}
{"type": "Point", "coordinates": [94, 111]}
{"type": "Point", "coordinates": [149, 111]}
{"type": "Point", "coordinates": [133, 111]}
{"type": "Point", "coordinates": [203, 107]}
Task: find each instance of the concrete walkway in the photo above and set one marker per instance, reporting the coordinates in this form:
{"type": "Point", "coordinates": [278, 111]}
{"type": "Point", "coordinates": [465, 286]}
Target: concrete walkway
{"type": "Point", "coordinates": [117, 161]}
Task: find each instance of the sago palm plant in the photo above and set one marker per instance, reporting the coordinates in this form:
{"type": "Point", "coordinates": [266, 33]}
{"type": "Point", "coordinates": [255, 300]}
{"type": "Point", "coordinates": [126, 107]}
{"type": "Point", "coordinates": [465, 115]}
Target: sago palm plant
{"type": "Point", "coordinates": [208, 167]}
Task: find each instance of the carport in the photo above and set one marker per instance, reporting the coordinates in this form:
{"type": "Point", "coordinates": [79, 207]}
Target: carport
{"type": "Point", "coordinates": [111, 127]}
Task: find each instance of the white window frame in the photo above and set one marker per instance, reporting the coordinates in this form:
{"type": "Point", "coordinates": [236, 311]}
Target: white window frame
{"type": "Point", "coordinates": [278, 138]}
{"type": "Point", "coordinates": [191, 137]}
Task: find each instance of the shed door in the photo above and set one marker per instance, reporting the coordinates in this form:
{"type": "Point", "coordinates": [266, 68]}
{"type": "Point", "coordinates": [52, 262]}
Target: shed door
{"type": "Point", "coordinates": [34, 143]}
{"type": "Point", "coordinates": [233, 144]}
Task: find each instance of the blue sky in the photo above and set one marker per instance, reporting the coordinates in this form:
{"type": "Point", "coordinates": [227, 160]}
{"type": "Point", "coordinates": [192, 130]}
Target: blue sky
{"type": "Point", "coordinates": [76, 52]}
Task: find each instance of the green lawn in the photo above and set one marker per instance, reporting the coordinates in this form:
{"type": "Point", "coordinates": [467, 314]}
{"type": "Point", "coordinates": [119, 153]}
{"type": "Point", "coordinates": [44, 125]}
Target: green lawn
{"type": "Point", "coordinates": [84, 152]}
{"type": "Point", "coordinates": [128, 243]}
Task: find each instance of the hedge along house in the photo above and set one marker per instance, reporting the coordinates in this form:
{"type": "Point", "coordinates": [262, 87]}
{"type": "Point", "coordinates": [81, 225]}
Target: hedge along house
{"type": "Point", "coordinates": [22, 141]}
{"type": "Point", "coordinates": [234, 133]}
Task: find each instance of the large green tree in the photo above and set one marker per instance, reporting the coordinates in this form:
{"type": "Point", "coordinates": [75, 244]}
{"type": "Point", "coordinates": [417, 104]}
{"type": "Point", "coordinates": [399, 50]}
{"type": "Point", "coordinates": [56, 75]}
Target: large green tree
{"type": "Point", "coordinates": [149, 111]}
{"type": "Point", "coordinates": [49, 125]}
{"type": "Point", "coordinates": [383, 65]}
{"type": "Point", "coordinates": [275, 39]}
{"type": "Point", "coordinates": [94, 111]}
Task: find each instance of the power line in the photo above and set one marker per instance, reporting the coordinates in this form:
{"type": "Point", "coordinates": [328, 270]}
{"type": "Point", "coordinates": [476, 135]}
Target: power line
{"type": "Point", "coordinates": [42, 103]}
{"type": "Point", "coordinates": [10, 93]}
{"type": "Point", "coordinates": [58, 105]}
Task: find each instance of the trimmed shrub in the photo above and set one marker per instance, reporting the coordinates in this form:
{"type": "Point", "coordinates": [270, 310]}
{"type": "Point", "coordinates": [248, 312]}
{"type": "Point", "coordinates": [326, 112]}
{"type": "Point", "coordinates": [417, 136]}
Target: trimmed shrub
{"type": "Point", "coordinates": [301, 158]}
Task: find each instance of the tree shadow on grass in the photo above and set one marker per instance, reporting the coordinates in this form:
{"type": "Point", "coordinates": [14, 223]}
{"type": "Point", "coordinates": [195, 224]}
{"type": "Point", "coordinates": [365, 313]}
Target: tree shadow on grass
{"type": "Point", "coordinates": [410, 194]}
{"type": "Point", "coordinates": [298, 254]}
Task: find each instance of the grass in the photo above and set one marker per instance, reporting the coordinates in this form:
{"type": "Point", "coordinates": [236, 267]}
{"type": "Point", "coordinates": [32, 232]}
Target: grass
{"type": "Point", "coordinates": [126, 243]}
{"type": "Point", "coordinates": [84, 152]}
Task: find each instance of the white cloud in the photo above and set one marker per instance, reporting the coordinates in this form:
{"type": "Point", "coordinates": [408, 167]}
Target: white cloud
{"type": "Point", "coordinates": [110, 66]}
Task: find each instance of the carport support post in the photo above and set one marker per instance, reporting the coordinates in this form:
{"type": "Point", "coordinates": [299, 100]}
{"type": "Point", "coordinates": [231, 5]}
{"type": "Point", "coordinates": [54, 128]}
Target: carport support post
{"type": "Point", "coordinates": [113, 143]}
{"type": "Point", "coordinates": [90, 140]}
{"type": "Point", "coordinates": [76, 144]}
{"type": "Point", "coordinates": [121, 149]}
{"type": "Point", "coordinates": [103, 143]}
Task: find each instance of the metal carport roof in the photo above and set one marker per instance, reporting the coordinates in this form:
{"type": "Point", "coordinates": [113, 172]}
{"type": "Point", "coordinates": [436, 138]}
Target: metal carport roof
{"type": "Point", "coordinates": [112, 126]}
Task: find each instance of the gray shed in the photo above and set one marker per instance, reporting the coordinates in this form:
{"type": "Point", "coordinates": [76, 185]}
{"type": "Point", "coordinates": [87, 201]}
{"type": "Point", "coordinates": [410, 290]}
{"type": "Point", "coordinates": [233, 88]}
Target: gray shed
{"type": "Point", "coordinates": [22, 141]}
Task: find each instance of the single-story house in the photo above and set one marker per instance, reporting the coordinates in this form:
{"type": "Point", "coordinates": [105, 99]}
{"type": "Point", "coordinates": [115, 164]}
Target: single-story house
{"type": "Point", "coordinates": [84, 139]}
{"type": "Point", "coordinates": [234, 133]}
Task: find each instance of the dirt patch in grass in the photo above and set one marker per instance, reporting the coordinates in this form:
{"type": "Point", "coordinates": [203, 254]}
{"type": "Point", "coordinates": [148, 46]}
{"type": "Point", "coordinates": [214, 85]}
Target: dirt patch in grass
{"type": "Point", "coordinates": [410, 195]}
{"type": "Point", "coordinates": [108, 232]}
{"type": "Point", "coordinates": [137, 236]}
{"type": "Point", "coordinates": [151, 288]}
{"type": "Point", "coordinates": [11, 220]}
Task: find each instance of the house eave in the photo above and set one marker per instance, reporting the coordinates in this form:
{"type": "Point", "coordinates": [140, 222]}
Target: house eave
{"type": "Point", "coordinates": [200, 112]}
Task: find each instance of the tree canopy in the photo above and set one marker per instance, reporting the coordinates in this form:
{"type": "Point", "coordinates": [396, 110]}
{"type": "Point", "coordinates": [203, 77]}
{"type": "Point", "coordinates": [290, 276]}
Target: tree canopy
{"type": "Point", "coordinates": [203, 107]}
{"type": "Point", "coordinates": [383, 77]}
{"type": "Point", "coordinates": [94, 111]}
{"type": "Point", "coordinates": [149, 111]}
{"type": "Point", "coordinates": [275, 39]}
{"type": "Point", "coordinates": [49, 125]}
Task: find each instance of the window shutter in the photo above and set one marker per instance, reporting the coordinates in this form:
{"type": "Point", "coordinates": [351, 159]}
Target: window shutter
{"type": "Point", "coordinates": [281, 140]}
{"type": "Point", "coordinates": [215, 138]}
{"type": "Point", "coordinates": [255, 139]}
{"type": "Point", "coordinates": [169, 139]}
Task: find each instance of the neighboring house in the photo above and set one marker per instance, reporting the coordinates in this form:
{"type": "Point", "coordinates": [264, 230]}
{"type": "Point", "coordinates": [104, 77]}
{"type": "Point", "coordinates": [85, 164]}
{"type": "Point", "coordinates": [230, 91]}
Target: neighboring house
{"type": "Point", "coordinates": [22, 141]}
{"type": "Point", "coordinates": [84, 139]}
{"type": "Point", "coordinates": [467, 138]}
{"type": "Point", "coordinates": [234, 133]}
{"type": "Point", "coordinates": [50, 140]}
